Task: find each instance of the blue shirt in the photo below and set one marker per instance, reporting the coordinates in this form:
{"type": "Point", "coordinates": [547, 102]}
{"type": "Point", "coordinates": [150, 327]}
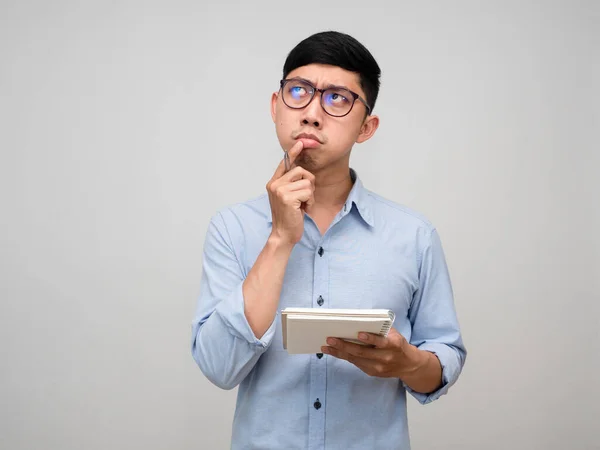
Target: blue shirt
{"type": "Point", "coordinates": [375, 254]}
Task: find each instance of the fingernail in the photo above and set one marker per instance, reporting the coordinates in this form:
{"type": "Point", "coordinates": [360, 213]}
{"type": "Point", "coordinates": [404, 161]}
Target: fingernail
{"type": "Point", "coordinates": [363, 336]}
{"type": "Point", "coordinates": [331, 341]}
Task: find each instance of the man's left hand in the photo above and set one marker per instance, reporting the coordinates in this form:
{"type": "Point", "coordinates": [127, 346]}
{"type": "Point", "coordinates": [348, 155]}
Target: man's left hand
{"type": "Point", "coordinates": [391, 356]}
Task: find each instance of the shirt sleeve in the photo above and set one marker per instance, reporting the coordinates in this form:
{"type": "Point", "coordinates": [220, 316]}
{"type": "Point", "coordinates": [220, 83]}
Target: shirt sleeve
{"type": "Point", "coordinates": [223, 344]}
{"type": "Point", "coordinates": [433, 316]}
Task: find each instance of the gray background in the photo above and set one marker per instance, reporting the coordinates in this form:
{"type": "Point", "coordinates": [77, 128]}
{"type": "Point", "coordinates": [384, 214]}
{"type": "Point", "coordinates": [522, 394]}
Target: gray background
{"type": "Point", "coordinates": [122, 133]}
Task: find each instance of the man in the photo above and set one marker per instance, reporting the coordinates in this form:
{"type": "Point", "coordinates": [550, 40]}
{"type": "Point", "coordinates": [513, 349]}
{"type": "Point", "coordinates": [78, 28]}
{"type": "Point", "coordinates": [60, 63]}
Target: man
{"type": "Point", "coordinates": [318, 238]}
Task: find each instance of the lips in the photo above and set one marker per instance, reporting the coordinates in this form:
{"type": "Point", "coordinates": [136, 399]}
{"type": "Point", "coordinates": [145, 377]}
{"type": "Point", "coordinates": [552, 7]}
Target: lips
{"type": "Point", "coordinates": [308, 136]}
{"type": "Point", "coordinates": [309, 140]}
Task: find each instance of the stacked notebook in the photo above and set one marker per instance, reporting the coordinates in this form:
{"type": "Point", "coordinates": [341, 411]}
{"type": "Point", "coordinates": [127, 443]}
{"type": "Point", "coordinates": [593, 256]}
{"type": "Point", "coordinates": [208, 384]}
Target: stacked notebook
{"type": "Point", "coordinates": [305, 330]}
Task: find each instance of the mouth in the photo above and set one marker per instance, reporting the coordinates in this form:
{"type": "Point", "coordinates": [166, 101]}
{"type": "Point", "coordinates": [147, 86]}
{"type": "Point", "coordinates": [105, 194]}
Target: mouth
{"type": "Point", "coordinates": [309, 140]}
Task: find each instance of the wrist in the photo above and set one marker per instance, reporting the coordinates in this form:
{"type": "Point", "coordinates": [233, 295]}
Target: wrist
{"type": "Point", "coordinates": [415, 360]}
{"type": "Point", "coordinates": [278, 244]}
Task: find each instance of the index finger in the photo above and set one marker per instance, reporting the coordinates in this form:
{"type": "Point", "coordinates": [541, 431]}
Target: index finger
{"type": "Point", "coordinates": [374, 339]}
{"type": "Point", "coordinates": [290, 155]}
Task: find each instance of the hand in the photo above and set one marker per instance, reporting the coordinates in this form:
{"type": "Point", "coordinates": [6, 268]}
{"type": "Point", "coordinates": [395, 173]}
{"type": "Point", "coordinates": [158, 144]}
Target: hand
{"type": "Point", "coordinates": [389, 357]}
{"type": "Point", "coordinates": [289, 194]}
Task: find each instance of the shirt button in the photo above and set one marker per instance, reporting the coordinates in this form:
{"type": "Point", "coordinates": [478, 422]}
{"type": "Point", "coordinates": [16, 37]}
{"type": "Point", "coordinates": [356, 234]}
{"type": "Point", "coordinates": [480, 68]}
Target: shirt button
{"type": "Point", "coordinates": [317, 404]}
{"type": "Point", "coordinates": [320, 301]}
{"type": "Point", "coordinates": [321, 251]}
{"type": "Point", "coordinates": [319, 355]}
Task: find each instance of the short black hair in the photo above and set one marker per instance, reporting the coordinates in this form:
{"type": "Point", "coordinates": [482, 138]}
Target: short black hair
{"type": "Point", "coordinates": [338, 49]}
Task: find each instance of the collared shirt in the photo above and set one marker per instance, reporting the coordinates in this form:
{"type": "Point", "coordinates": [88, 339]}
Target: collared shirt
{"type": "Point", "coordinates": [375, 254]}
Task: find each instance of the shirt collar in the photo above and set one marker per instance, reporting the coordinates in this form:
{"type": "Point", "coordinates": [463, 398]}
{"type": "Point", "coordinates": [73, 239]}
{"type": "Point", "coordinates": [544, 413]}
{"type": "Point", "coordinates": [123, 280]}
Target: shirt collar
{"type": "Point", "coordinates": [358, 196]}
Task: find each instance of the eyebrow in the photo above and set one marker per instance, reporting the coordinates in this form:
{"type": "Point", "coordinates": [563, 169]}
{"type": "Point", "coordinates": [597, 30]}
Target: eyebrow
{"type": "Point", "coordinates": [336, 86]}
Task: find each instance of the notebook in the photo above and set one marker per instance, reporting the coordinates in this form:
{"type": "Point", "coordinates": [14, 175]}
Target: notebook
{"type": "Point", "coordinates": [305, 330]}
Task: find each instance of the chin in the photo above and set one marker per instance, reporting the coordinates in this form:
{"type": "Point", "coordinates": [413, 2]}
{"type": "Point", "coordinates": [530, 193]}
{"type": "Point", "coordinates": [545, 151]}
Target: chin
{"type": "Point", "coordinates": [307, 161]}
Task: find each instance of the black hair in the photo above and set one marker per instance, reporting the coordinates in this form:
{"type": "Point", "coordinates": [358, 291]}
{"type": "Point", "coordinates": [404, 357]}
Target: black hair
{"type": "Point", "coordinates": [338, 49]}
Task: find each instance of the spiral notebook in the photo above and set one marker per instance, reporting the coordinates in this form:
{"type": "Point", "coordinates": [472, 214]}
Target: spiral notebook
{"type": "Point", "coordinates": [305, 330]}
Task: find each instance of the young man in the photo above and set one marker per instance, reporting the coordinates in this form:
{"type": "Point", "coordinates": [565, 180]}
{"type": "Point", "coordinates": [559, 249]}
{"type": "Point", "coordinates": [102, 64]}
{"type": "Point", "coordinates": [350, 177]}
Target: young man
{"type": "Point", "coordinates": [318, 238]}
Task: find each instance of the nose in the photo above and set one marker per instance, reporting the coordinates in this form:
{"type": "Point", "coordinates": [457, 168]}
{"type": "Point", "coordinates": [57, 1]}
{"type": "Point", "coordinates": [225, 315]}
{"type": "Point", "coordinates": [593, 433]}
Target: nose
{"type": "Point", "coordinates": [312, 114]}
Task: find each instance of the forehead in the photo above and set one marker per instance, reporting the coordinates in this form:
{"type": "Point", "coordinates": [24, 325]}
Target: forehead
{"type": "Point", "coordinates": [322, 75]}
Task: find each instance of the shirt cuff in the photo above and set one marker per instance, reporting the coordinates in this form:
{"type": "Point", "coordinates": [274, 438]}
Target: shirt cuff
{"type": "Point", "coordinates": [231, 312]}
{"type": "Point", "coordinates": [451, 367]}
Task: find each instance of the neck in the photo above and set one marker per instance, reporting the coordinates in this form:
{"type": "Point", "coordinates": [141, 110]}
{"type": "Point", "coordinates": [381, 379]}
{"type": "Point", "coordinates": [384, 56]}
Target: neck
{"type": "Point", "coordinates": [332, 188]}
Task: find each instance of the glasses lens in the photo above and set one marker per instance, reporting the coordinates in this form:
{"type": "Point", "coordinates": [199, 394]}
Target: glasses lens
{"type": "Point", "coordinates": [297, 94]}
{"type": "Point", "coordinates": [337, 102]}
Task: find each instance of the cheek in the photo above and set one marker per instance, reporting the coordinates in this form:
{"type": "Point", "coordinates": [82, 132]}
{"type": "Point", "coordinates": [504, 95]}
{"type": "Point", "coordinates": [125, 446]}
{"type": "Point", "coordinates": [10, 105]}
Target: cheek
{"type": "Point", "coordinates": [343, 135]}
{"type": "Point", "coordinates": [283, 117]}
{"type": "Point", "coordinates": [283, 125]}
{"type": "Point", "coordinates": [283, 128]}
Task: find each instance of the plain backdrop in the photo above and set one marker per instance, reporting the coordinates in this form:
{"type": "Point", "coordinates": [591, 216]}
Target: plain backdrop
{"type": "Point", "coordinates": [125, 125]}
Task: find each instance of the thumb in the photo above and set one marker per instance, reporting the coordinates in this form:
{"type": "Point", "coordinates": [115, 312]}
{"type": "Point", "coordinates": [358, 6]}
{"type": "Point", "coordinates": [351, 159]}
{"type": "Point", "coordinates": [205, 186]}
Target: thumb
{"type": "Point", "coordinates": [394, 339]}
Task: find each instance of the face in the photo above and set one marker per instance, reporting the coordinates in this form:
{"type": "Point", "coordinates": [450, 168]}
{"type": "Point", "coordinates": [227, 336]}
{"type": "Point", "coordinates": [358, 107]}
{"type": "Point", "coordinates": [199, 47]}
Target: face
{"type": "Point", "coordinates": [331, 138]}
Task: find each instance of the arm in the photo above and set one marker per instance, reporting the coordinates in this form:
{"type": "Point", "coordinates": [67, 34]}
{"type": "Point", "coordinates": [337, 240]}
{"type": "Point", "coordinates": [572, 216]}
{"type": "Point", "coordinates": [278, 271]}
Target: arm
{"type": "Point", "coordinates": [435, 328]}
{"type": "Point", "coordinates": [234, 324]}
{"type": "Point", "coordinates": [262, 287]}
{"type": "Point", "coordinates": [235, 319]}
{"type": "Point", "coordinates": [431, 362]}
{"type": "Point", "coordinates": [425, 373]}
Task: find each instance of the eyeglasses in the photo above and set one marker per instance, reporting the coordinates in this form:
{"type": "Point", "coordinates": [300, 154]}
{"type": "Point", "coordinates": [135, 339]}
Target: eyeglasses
{"type": "Point", "coordinates": [335, 101]}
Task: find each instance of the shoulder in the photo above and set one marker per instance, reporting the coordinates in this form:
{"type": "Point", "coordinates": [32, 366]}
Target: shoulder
{"type": "Point", "coordinates": [404, 224]}
{"type": "Point", "coordinates": [244, 216]}
{"type": "Point", "coordinates": [389, 211]}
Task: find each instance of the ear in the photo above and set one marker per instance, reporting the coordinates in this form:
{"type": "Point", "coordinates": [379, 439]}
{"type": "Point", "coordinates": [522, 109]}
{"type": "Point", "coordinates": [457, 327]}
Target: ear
{"type": "Point", "coordinates": [368, 129]}
{"type": "Point", "coordinates": [274, 98]}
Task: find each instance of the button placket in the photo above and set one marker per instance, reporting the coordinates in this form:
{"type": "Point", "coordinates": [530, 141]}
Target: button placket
{"type": "Point", "coordinates": [318, 365]}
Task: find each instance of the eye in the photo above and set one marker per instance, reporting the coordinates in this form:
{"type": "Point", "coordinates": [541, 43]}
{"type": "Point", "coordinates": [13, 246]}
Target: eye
{"type": "Point", "coordinates": [336, 98]}
{"type": "Point", "coordinates": [298, 92]}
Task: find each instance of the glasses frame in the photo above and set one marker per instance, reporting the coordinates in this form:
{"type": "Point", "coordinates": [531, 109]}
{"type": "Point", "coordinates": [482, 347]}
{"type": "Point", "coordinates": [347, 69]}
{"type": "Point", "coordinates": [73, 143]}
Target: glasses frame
{"type": "Point", "coordinates": [315, 89]}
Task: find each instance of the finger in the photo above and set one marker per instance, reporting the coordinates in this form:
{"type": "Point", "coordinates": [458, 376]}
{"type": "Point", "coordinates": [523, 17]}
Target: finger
{"type": "Point", "coordinates": [368, 366]}
{"type": "Point", "coordinates": [304, 196]}
{"type": "Point", "coordinates": [396, 340]}
{"type": "Point", "coordinates": [374, 339]}
{"type": "Point", "coordinates": [359, 350]}
{"type": "Point", "coordinates": [311, 200]}
{"type": "Point", "coordinates": [292, 154]}
{"type": "Point", "coordinates": [283, 186]}
{"type": "Point", "coordinates": [297, 185]}
{"type": "Point", "coordinates": [296, 198]}
{"type": "Point", "coordinates": [336, 353]}
{"type": "Point", "coordinates": [298, 173]}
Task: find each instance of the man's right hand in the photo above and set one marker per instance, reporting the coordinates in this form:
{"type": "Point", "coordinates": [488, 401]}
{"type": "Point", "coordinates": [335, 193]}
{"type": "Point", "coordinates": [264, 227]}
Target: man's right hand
{"type": "Point", "coordinates": [289, 194]}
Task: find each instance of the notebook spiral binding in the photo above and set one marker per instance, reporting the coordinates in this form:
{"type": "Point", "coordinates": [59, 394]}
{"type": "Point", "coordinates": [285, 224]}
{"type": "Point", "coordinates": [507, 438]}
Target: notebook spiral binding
{"type": "Point", "coordinates": [385, 329]}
